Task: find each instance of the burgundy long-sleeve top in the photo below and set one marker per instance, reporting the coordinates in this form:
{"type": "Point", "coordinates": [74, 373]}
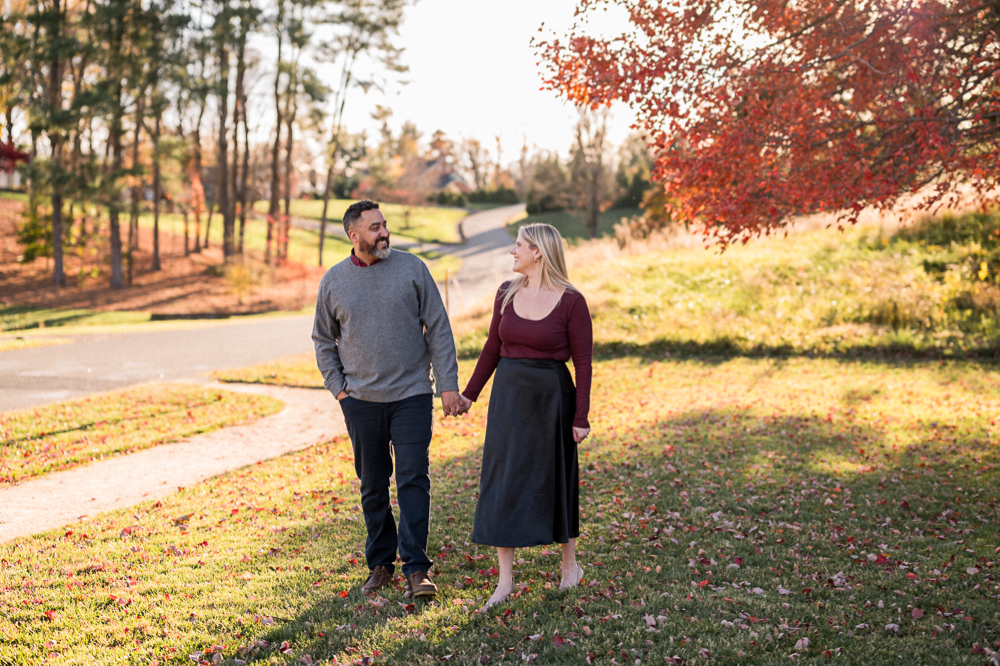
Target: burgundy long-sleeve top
{"type": "Point", "coordinates": [564, 333]}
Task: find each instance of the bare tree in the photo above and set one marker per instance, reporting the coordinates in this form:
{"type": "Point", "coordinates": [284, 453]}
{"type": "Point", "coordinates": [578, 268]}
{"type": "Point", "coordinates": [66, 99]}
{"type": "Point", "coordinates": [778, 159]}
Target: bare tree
{"type": "Point", "coordinates": [589, 164]}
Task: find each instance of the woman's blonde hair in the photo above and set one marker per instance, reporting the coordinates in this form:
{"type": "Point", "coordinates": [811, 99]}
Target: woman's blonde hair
{"type": "Point", "coordinates": [546, 239]}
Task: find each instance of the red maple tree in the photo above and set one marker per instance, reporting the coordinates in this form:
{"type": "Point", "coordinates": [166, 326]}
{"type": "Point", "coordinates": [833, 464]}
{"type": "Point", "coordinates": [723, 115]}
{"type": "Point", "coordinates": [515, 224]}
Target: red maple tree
{"type": "Point", "coordinates": [759, 110]}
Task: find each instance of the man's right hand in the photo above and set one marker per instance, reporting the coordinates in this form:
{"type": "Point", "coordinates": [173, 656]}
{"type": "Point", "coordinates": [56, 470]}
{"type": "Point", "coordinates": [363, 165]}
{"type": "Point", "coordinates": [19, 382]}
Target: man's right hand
{"type": "Point", "coordinates": [341, 395]}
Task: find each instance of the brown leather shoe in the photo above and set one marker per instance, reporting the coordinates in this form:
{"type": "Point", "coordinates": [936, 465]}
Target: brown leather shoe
{"type": "Point", "coordinates": [377, 579]}
{"type": "Point", "coordinates": [421, 585]}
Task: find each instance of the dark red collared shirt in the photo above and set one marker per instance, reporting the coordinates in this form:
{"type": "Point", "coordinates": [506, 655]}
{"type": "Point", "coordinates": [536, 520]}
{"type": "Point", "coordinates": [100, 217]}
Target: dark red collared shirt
{"type": "Point", "coordinates": [360, 264]}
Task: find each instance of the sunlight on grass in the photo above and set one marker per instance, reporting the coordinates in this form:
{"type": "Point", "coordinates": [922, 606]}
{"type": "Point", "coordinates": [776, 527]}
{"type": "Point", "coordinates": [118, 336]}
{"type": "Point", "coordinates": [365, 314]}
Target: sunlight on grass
{"type": "Point", "coordinates": [56, 437]}
{"type": "Point", "coordinates": [11, 343]}
{"type": "Point", "coordinates": [572, 226]}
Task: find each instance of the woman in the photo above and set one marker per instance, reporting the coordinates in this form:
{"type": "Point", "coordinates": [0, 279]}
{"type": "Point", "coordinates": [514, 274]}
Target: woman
{"type": "Point", "coordinates": [529, 488]}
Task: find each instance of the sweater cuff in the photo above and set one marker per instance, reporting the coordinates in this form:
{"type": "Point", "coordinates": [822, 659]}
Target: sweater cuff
{"type": "Point", "coordinates": [581, 422]}
{"type": "Point", "coordinates": [336, 385]}
{"type": "Point", "coordinates": [448, 383]}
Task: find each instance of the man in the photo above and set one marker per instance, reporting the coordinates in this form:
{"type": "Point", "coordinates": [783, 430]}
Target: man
{"type": "Point", "coordinates": [379, 326]}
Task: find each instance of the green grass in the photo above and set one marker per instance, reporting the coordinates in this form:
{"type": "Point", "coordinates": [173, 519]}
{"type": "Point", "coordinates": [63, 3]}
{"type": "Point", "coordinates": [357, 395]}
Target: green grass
{"type": "Point", "coordinates": [26, 317]}
{"type": "Point", "coordinates": [573, 226]}
{"type": "Point", "coordinates": [13, 342]}
{"type": "Point", "coordinates": [825, 292]}
{"type": "Point", "coordinates": [56, 437]}
{"type": "Point", "coordinates": [299, 371]}
{"type": "Point", "coordinates": [14, 196]}
{"type": "Point", "coordinates": [424, 223]}
{"type": "Point", "coordinates": [708, 490]}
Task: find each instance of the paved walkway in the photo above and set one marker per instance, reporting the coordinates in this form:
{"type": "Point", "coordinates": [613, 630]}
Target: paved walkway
{"type": "Point", "coordinates": [486, 261]}
{"type": "Point", "coordinates": [62, 498]}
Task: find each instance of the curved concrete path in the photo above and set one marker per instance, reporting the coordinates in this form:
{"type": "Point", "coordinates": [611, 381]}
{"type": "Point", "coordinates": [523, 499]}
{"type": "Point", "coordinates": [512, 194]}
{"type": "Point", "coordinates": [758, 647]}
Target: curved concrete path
{"type": "Point", "coordinates": [62, 498]}
{"type": "Point", "coordinates": [485, 259]}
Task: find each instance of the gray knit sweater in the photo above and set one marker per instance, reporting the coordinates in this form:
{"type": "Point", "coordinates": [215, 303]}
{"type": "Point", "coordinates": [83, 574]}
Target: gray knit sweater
{"type": "Point", "coordinates": [378, 329]}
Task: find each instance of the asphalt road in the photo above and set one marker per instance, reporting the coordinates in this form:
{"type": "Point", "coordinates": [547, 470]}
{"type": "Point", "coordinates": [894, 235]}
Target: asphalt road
{"type": "Point", "coordinates": [93, 363]}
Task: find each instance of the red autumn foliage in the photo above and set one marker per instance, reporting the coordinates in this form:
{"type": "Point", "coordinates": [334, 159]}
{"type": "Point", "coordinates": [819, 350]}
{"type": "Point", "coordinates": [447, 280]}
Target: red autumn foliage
{"type": "Point", "coordinates": [759, 110]}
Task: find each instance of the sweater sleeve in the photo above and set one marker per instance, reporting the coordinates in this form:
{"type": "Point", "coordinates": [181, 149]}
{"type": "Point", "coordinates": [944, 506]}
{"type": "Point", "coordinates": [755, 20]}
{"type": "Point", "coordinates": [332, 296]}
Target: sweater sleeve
{"type": "Point", "coordinates": [326, 338]}
{"type": "Point", "coordinates": [490, 356]}
{"type": "Point", "coordinates": [580, 331]}
{"type": "Point", "coordinates": [437, 331]}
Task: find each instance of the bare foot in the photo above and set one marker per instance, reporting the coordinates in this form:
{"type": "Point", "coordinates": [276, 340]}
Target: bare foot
{"type": "Point", "coordinates": [504, 588]}
{"type": "Point", "coordinates": [571, 579]}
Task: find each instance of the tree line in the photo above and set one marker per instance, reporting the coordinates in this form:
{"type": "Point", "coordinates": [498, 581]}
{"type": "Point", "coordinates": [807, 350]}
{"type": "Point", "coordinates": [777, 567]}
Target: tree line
{"type": "Point", "coordinates": [118, 96]}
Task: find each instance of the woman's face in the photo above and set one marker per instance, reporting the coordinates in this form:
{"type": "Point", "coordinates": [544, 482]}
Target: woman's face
{"type": "Point", "coordinates": [525, 258]}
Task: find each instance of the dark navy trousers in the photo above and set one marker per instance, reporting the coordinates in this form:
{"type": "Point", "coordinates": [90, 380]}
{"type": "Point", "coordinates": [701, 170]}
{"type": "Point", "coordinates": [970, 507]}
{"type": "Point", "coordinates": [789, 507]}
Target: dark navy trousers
{"type": "Point", "coordinates": [379, 431]}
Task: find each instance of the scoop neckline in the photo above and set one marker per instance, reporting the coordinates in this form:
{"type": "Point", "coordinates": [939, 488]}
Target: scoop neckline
{"type": "Point", "coordinates": [555, 307]}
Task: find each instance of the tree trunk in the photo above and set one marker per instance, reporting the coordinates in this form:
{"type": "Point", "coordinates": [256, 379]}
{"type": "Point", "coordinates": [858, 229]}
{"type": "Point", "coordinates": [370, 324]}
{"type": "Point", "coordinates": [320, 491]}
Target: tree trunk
{"type": "Point", "coordinates": [273, 208]}
{"type": "Point", "coordinates": [225, 200]}
{"type": "Point", "coordinates": [211, 211]}
{"type": "Point", "coordinates": [235, 185]}
{"type": "Point", "coordinates": [56, 140]}
{"type": "Point", "coordinates": [184, 211]}
{"type": "Point", "coordinates": [291, 108]}
{"type": "Point", "coordinates": [156, 193]}
{"type": "Point", "coordinates": [245, 177]}
{"type": "Point", "coordinates": [115, 138]}
{"type": "Point", "coordinates": [115, 143]}
{"type": "Point", "coordinates": [133, 224]}
{"type": "Point", "coordinates": [197, 187]}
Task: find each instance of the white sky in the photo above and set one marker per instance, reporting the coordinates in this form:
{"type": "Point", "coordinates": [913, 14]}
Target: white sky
{"type": "Point", "coordinates": [473, 74]}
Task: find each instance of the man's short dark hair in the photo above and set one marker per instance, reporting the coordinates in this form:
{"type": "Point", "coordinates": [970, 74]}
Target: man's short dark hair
{"type": "Point", "coordinates": [353, 213]}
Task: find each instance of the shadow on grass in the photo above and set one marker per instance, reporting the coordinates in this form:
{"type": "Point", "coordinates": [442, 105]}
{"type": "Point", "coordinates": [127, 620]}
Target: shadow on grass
{"type": "Point", "coordinates": [776, 473]}
{"type": "Point", "coordinates": [726, 348]}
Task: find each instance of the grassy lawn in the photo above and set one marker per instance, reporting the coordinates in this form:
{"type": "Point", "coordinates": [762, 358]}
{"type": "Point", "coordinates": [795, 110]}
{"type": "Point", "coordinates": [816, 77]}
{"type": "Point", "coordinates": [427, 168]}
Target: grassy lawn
{"type": "Point", "coordinates": [13, 196]}
{"type": "Point", "coordinates": [299, 371]}
{"type": "Point", "coordinates": [819, 293]}
{"type": "Point", "coordinates": [26, 317]}
{"type": "Point", "coordinates": [424, 223]}
{"type": "Point", "coordinates": [13, 342]}
{"type": "Point", "coordinates": [573, 226]}
{"type": "Point", "coordinates": [729, 507]}
{"type": "Point", "coordinates": [64, 435]}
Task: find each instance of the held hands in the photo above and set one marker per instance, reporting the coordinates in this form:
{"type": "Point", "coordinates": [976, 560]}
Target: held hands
{"type": "Point", "coordinates": [454, 403]}
{"type": "Point", "coordinates": [579, 434]}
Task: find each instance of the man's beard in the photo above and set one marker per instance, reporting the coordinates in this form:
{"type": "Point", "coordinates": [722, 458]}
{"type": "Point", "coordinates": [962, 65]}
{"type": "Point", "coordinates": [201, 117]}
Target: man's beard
{"type": "Point", "coordinates": [374, 250]}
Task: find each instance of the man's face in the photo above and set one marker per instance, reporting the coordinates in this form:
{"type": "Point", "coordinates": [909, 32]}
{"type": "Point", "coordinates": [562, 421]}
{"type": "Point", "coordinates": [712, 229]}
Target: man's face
{"type": "Point", "coordinates": [371, 235]}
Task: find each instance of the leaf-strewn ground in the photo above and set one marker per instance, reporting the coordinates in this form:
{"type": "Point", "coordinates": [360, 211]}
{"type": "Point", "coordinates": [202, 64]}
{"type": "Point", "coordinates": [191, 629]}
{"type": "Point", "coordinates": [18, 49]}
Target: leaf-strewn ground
{"type": "Point", "coordinates": [60, 436]}
{"type": "Point", "coordinates": [729, 508]}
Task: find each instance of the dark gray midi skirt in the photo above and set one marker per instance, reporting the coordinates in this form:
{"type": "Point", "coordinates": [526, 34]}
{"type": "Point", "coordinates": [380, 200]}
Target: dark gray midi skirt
{"type": "Point", "coordinates": [529, 488]}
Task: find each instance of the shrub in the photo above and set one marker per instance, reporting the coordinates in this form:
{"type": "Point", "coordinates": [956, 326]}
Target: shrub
{"type": "Point", "coordinates": [445, 198]}
{"type": "Point", "coordinates": [501, 195]}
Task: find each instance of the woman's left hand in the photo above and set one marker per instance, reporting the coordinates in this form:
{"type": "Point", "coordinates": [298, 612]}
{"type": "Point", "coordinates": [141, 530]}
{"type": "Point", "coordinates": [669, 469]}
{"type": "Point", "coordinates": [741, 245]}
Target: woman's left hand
{"type": "Point", "coordinates": [579, 434]}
